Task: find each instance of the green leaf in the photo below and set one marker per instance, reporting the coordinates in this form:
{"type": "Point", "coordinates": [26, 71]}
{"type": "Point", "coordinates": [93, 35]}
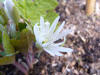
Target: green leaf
{"type": "Point", "coordinates": [1, 28]}
{"type": "Point", "coordinates": [7, 60]}
{"type": "Point", "coordinates": [4, 18]}
{"type": "Point", "coordinates": [21, 45]}
{"type": "Point", "coordinates": [15, 15]}
{"type": "Point", "coordinates": [32, 10]}
{"type": "Point", "coordinates": [21, 26]}
{"type": "Point", "coordinates": [8, 48]}
{"type": "Point", "coordinates": [0, 37]}
{"type": "Point", "coordinates": [51, 15]}
{"type": "Point", "coordinates": [1, 20]}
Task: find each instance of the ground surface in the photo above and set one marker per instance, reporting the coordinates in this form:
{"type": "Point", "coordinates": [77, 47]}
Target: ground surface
{"type": "Point", "coordinates": [85, 40]}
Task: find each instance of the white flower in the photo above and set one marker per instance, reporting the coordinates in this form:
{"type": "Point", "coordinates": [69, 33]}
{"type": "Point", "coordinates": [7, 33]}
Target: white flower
{"type": "Point", "coordinates": [47, 34]}
{"type": "Point", "coordinates": [8, 5]}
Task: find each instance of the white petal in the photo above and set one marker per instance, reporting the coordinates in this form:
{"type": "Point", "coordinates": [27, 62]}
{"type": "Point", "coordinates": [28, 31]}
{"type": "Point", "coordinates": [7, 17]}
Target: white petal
{"type": "Point", "coordinates": [63, 49]}
{"type": "Point", "coordinates": [36, 29]}
{"type": "Point", "coordinates": [55, 35]}
{"type": "Point", "coordinates": [47, 25]}
{"type": "Point", "coordinates": [53, 26]}
{"type": "Point", "coordinates": [63, 34]}
{"type": "Point", "coordinates": [53, 52]}
{"type": "Point", "coordinates": [36, 32]}
{"type": "Point", "coordinates": [42, 27]}
{"type": "Point", "coordinates": [60, 49]}
{"type": "Point", "coordinates": [50, 52]}
{"type": "Point", "coordinates": [60, 28]}
{"type": "Point", "coordinates": [59, 54]}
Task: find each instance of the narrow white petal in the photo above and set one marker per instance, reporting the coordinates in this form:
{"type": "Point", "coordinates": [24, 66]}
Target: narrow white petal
{"type": "Point", "coordinates": [60, 49]}
{"type": "Point", "coordinates": [53, 52]}
{"type": "Point", "coordinates": [52, 49]}
{"type": "Point", "coordinates": [53, 26]}
{"type": "Point", "coordinates": [50, 52]}
{"type": "Point", "coordinates": [63, 34]}
{"type": "Point", "coordinates": [41, 23]}
{"type": "Point", "coordinates": [59, 54]}
{"type": "Point", "coordinates": [36, 31]}
{"type": "Point", "coordinates": [63, 49]}
{"type": "Point", "coordinates": [60, 28]}
{"type": "Point", "coordinates": [56, 34]}
{"type": "Point", "coordinates": [47, 25]}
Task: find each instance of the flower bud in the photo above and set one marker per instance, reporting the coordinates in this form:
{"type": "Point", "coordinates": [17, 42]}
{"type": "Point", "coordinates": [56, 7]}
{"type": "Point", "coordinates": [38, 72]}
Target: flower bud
{"type": "Point", "coordinates": [11, 11]}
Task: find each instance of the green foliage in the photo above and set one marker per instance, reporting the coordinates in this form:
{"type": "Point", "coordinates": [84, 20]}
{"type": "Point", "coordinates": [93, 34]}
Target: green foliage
{"type": "Point", "coordinates": [32, 10]}
{"type": "Point", "coordinates": [8, 54]}
{"type": "Point", "coordinates": [15, 15]}
{"type": "Point", "coordinates": [3, 16]}
{"type": "Point", "coordinates": [21, 26]}
{"type": "Point", "coordinates": [22, 43]}
{"type": "Point", "coordinates": [0, 37]}
{"type": "Point", "coordinates": [8, 48]}
{"type": "Point", "coordinates": [7, 60]}
{"type": "Point", "coordinates": [1, 29]}
{"type": "Point", "coordinates": [1, 20]}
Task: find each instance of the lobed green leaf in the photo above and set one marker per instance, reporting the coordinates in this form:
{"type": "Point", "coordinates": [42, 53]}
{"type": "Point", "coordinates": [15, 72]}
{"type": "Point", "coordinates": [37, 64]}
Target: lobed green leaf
{"type": "Point", "coordinates": [32, 10]}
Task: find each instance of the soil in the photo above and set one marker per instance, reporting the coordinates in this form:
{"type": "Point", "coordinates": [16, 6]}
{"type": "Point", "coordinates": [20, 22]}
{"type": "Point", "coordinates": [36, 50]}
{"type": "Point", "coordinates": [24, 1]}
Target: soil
{"type": "Point", "coordinates": [84, 40]}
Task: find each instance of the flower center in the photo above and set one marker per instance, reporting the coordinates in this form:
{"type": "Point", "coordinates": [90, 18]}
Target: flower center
{"type": "Point", "coordinates": [45, 41]}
